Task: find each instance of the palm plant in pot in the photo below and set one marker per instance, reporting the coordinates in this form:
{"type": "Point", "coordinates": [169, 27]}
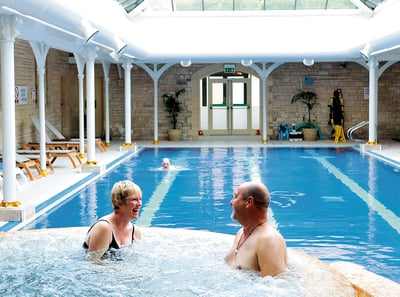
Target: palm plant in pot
{"type": "Point", "coordinates": [173, 106]}
{"type": "Point", "coordinates": [308, 98]}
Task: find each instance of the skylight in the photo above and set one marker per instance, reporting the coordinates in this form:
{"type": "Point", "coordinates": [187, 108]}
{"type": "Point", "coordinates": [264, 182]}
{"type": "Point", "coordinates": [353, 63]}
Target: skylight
{"type": "Point", "coordinates": [242, 5]}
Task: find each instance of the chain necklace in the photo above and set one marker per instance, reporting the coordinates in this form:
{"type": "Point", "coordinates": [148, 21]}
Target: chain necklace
{"type": "Point", "coordinates": [240, 244]}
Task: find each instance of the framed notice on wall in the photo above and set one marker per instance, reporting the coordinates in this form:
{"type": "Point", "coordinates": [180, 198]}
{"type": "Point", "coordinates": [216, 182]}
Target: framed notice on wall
{"type": "Point", "coordinates": [21, 95]}
{"type": "Point", "coordinates": [366, 93]}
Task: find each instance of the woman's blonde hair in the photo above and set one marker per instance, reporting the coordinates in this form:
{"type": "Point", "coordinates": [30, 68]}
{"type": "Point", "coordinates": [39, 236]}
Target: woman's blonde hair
{"type": "Point", "coordinates": [122, 190]}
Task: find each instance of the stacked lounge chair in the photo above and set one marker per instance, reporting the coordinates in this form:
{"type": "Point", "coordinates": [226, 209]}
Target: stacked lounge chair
{"type": "Point", "coordinates": [60, 141]}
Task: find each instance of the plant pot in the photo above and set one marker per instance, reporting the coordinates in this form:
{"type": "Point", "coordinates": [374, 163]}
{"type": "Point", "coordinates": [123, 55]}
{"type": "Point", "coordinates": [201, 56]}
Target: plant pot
{"type": "Point", "coordinates": [309, 134]}
{"type": "Point", "coordinates": [174, 134]}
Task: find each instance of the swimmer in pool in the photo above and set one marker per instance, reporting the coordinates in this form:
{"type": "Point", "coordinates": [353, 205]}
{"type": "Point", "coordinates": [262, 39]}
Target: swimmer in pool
{"type": "Point", "coordinates": [116, 230]}
{"type": "Point", "coordinates": [257, 245]}
{"type": "Point", "coordinates": [165, 164]}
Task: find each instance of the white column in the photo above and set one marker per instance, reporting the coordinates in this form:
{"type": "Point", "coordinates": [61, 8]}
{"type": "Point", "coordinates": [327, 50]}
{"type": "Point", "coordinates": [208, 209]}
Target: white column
{"type": "Point", "coordinates": [42, 120]}
{"type": "Point", "coordinates": [90, 104]}
{"type": "Point", "coordinates": [264, 109]}
{"type": "Point", "coordinates": [373, 101]}
{"type": "Point", "coordinates": [127, 76]}
{"type": "Point", "coordinates": [81, 99]}
{"type": "Point", "coordinates": [264, 72]}
{"type": "Point", "coordinates": [40, 51]}
{"type": "Point", "coordinates": [7, 38]}
{"type": "Point", "coordinates": [155, 86]}
{"type": "Point", "coordinates": [106, 69]}
{"type": "Point", "coordinates": [155, 74]}
{"type": "Point", "coordinates": [80, 64]}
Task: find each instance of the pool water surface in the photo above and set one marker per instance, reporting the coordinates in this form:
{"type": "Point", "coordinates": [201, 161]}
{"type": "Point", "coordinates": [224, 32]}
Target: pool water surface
{"type": "Point", "coordinates": [335, 204]}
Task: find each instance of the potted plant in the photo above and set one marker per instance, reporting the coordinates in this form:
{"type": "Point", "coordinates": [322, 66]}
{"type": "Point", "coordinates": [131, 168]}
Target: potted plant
{"type": "Point", "coordinates": [173, 106]}
{"type": "Point", "coordinates": [308, 98]}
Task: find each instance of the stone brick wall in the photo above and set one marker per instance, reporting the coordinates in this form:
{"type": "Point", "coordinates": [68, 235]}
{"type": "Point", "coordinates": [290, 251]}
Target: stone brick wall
{"type": "Point", "coordinates": [25, 75]}
{"type": "Point", "coordinates": [282, 84]}
{"type": "Point", "coordinates": [287, 79]}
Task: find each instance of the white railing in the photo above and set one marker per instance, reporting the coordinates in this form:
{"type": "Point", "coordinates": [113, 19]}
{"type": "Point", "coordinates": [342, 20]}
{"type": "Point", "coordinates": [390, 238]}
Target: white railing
{"type": "Point", "coordinates": [354, 128]}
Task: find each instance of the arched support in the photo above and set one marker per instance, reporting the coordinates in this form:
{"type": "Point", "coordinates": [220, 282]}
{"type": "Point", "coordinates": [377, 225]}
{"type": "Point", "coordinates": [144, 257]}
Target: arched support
{"type": "Point", "coordinates": [40, 51]}
{"type": "Point", "coordinates": [264, 72]}
{"type": "Point", "coordinates": [375, 72]}
{"type": "Point", "coordinates": [155, 74]}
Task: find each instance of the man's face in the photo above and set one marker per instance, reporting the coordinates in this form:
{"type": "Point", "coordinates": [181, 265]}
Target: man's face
{"type": "Point", "coordinates": [237, 204]}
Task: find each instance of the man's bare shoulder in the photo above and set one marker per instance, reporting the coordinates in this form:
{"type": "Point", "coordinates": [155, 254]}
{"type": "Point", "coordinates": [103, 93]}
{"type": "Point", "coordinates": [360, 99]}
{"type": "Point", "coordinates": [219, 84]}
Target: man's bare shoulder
{"type": "Point", "coordinates": [269, 237]}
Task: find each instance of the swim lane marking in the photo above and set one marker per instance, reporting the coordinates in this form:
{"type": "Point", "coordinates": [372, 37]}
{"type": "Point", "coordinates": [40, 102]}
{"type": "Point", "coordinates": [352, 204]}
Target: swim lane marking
{"type": "Point", "coordinates": [254, 169]}
{"type": "Point", "coordinates": [385, 213]}
{"type": "Point", "coordinates": [153, 205]}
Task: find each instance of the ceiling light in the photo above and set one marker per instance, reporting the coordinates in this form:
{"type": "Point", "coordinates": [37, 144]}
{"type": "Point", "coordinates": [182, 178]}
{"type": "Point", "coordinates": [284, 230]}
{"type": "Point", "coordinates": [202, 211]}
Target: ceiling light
{"type": "Point", "coordinates": [308, 62]}
{"type": "Point", "coordinates": [247, 62]}
{"type": "Point", "coordinates": [88, 31]}
{"type": "Point", "coordinates": [119, 46]}
{"type": "Point", "coordinates": [186, 63]}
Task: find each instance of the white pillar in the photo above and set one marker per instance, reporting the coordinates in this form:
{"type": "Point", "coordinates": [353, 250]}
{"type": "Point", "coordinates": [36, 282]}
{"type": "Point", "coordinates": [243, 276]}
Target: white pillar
{"type": "Point", "coordinates": [42, 120]}
{"type": "Point", "coordinates": [81, 99]}
{"type": "Point", "coordinates": [264, 72]}
{"type": "Point", "coordinates": [373, 101]}
{"type": "Point", "coordinates": [40, 51]}
{"type": "Point", "coordinates": [155, 86]}
{"type": "Point", "coordinates": [127, 76]}
{"type": "Point", "coordinates": [80, 64]}
{"type": "Point", "coordinates": [264, 109]}
{"type": "Point", "coordinates": [7, 38]}
{"type": "Point", "coordinates": [106, 69]}
{"type": "Point", "coordinates": [155, 74]}
{"type": "Point", "coordinates": [90, 104]}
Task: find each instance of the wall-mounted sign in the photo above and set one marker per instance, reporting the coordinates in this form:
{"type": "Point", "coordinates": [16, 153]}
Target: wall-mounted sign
{"type": "Point", "coordinates": [21, 95]}
{"type": "Point", "coordinates": [366, 93]}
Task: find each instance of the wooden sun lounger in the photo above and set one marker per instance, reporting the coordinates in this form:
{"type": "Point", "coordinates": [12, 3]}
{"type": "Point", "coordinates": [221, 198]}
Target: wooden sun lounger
{"type": "Point", "coordinates": [100, 144]}
{"type": "Point", "coordinates": [20, 179]}
{"type": "Point", "coordinates": [64, 145]}
{"type": "Point", "coordinates": [54, 145]}
{"type": "Point", "coordinates": [72, 155]}
{"type": "Point", "coordinates": [27, 164]}
{"type": "Point", "coordinates": [36, 156]}
{"type": "Point", "coordinates": [60, 138]}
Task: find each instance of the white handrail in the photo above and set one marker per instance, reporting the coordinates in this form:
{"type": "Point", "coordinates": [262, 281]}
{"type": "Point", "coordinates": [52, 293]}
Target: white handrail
{"type": "Point", "coordinates": [355, 127]}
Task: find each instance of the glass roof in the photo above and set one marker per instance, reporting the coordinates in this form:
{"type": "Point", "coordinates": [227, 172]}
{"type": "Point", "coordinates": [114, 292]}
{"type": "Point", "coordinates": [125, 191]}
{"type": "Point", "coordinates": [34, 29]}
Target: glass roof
{"type": "Point", "coordinates": [243, 5]}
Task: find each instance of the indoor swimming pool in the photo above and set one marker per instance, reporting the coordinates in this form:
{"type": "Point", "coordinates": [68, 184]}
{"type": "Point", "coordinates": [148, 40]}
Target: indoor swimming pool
{"type": "Point", "coordinates": [335, 204]}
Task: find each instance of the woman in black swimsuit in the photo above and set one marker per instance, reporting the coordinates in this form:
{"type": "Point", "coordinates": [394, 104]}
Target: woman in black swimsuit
{"type": "Point", "coordinates": [115, 230]}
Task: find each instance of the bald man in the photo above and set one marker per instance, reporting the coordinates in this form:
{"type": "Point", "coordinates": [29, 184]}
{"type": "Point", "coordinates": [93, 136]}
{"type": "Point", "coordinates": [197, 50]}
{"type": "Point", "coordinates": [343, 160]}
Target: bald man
{"type": "Point", "coordinates": [257, 245]}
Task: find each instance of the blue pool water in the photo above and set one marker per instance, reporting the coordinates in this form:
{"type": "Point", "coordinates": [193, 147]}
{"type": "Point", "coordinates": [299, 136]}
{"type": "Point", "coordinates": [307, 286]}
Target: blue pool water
{"type": "Point", "coordinates": [335, 204]}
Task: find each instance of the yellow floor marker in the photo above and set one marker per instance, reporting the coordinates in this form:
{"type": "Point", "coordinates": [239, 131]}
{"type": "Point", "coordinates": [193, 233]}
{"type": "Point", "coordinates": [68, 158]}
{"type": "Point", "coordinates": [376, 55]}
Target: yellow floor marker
{"type": "Point", "coordinates": [339, 133]}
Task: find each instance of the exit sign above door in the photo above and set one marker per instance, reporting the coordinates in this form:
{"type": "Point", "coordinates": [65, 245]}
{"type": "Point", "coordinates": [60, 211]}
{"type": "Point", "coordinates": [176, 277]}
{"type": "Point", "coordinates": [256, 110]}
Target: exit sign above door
{"type": "Point", "coordinates": [229, 68]}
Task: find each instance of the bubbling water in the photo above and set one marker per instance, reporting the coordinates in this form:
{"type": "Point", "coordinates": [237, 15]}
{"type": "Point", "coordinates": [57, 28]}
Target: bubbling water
{"type": "Point", "coordinates": [167, 262]}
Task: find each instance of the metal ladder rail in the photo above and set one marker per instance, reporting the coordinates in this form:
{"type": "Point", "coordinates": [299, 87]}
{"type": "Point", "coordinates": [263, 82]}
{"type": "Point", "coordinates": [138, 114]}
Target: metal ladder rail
{"type": "Point", "coordinates": [355, 127]}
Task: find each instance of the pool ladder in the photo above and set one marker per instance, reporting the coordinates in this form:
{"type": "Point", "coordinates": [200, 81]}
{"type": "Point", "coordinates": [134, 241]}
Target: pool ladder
{"type": "Point", "coordinates": [354, 128]}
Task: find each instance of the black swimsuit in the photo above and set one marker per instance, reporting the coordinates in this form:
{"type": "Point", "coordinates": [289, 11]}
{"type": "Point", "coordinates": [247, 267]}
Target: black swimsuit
{"type": "Point", "coordinates": [113, 244]}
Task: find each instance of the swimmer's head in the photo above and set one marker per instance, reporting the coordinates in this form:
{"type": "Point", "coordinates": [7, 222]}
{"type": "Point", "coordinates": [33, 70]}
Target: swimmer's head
{"type": "Point", "coordinates": [165, 163]}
